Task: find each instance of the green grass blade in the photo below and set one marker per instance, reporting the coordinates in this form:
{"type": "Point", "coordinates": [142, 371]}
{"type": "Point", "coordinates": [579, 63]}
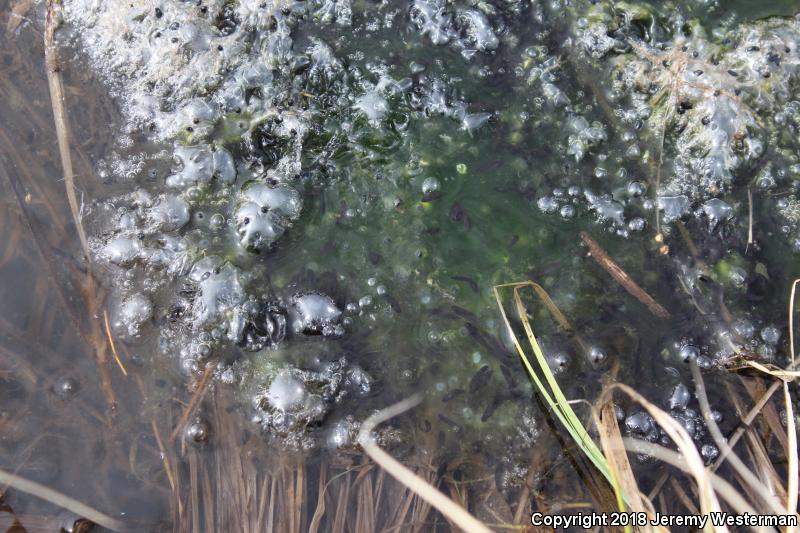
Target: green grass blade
{"type": "Point", "coordinates": [552, 394]}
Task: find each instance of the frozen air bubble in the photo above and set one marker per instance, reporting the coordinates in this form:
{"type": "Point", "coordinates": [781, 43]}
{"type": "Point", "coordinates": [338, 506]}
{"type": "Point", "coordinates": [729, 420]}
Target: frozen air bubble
{"type": "Point", "coordinates": [744, 328]}
{"type": "Point", "coordinates": [200, 164]}
{"type": "Point", "coordinates": [197, 432]}
{"type": "Point", "coordinates": [220, 289]}
{"type": "Point", "coordinates": [431, 18]}
{"type": "Point", "coordinates": [558, 362]}
{"type": "Point", "coordinates": [674, 207]}
{"type": "Point", "coordinates": [636, 189]}
{"type": "Point", "coordinates": [479, 33]}
{"type": "Point", "coordinates": [216, 222]}
{"type": "Point", "coordinates": [597, 355]}
{"type": "Point", "coordinates": [339, 435]}
{"type": "Point", "coordinates": [313, 313]}
{"type": "Point", "coordinates": [688, 423]}
{"type": "Point", "coordinates": [606, 208]}
{"type": "Point", "coordinates": [131, 314]}
{"type": "Point", "coordinates": [373, 105]}
{"type": "Point", "coordinates": [637, 224]}
{"type": "Point", "coordinates": [717, 212]}
{"type": "Point", "coordinates": [286, 393]}
{"type": "Point", "coordinates": [358, 381]}
{"type": "Point", "coordinates": [67, 387]}
{"type": "Point", "coordinates": [281, 199]}
{"type": "Point", "coordinates": [262, 216]}
{"type": "Point", "coordinates": [122, 251]}
{"type": "Point", "coordinates": [766, 351]}
{"type": "Point", "coordinates": [704, 363]}
{"type": "Point", "coordinates": [547, 204]}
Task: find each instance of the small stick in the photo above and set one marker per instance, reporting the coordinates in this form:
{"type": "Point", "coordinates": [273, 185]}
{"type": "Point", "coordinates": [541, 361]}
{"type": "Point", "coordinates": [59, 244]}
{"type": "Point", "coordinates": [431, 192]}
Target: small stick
{"type": "Point", "coordinates": [56, 85]}
{"type": "Point", "coordinates": [608, 264]}
{"type": "Point", "coordinates": [193, 403]}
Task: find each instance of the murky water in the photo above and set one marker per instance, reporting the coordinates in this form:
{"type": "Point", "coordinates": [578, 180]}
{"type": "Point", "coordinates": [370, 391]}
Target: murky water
{"type": "Point", "coordinates": [321, 239]}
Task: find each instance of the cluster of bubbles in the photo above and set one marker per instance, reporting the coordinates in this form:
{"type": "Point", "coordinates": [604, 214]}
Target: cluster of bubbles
{"type": "Point", "coordinates": [711, 103]}
{"type": "Point", "coordinates": [239, 112]}
{"type": "Point", "coordinates": [468, 30]}
{"type": "Point", "coordinates": [608, 210]}
{"type": "Point", "coordinates": [296, 399]}
{"type": "Point", "coordinates": [253, 115]}
{"type": "Point", "coordinates": [186, 249]}
{"type": "Point", "coordinates": [727, 342]}
{"type": "Point", "coordinates": [741, 337]}
{"type": "Point", "coordinates": [682, 408]}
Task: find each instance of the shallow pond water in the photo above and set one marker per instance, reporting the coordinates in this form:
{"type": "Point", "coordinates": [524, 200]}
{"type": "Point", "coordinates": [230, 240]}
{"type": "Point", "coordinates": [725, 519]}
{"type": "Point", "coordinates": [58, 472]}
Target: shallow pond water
{"type": "Point", "coordinates": [314, 233]}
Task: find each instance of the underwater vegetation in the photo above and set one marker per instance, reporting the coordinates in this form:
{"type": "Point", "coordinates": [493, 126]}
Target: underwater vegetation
{"type": "Point", "coordinates": [309, 206]}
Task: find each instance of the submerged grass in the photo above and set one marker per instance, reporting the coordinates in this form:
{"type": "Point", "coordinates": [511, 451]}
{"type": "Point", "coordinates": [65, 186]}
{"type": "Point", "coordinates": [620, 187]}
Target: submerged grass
{"type": "Point", "coordinates": [551, 392]}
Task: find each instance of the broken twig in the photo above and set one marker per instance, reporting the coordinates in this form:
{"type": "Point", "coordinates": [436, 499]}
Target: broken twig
{"type": "Point", "coordinates": [608, 264]}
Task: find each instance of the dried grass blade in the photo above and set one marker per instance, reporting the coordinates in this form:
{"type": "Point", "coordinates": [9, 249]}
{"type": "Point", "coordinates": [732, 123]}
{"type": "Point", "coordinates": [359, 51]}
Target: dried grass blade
{"type": "Point", "coordinates": [614, 452]}
{"type": "Point", "coordinates": [691, 457]}
{"type": "Point", "coordinates": [62, 500]}
{"type": "Point", "coordinates": [193, 403]}
{"type": "Point", "coordinates": [777, 373]}
{"type": "Point", "coordinates": [746, 420]}
{"type": "Point", "coordinates": [727, 492]}
{"type": "Point", "coordinates": [793, 474]}
{"type": "Point", "coordinates": [737, 464]}
{"type": "Point", "coordinates": [112, 344]}
{"type": "Point", "coordinates": [316, 519]}
{"type": "Point", "coordinates": [791, 318]}
{"type": "Point", "coordinates": [412, 481]}
{"type": "Point", "coordinates": [56, 85]}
